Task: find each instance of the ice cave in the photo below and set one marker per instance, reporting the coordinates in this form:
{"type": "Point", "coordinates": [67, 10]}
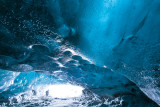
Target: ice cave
{"type": "Point", "coordinates": [79, 53]}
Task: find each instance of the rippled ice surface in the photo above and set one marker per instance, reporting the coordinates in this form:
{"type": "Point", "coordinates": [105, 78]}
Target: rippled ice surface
{"type": "Point", "coordinates": [47, 86]}
{"type": "Point", "coordinates": [40, 53]}
{"type": "Point", "coordinates": [68, 79]}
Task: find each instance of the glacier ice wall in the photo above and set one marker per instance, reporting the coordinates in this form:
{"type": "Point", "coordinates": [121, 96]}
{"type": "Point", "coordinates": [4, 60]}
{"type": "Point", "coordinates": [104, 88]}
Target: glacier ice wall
{"type": "Point", "coordinates": [125, 35]}
{"type": "Point", "coordinates": [122, 35]}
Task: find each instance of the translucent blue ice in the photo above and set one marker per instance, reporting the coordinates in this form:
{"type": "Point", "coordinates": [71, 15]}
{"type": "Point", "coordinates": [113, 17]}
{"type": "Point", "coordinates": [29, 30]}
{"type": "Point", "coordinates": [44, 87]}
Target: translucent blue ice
{"type": "Point", "coordinates": [107, 49]}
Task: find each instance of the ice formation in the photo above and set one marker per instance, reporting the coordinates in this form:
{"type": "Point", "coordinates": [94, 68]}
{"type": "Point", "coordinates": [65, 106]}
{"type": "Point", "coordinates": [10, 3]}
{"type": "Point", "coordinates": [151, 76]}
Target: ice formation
{"type": "Point", "coordinates": [104, 52]}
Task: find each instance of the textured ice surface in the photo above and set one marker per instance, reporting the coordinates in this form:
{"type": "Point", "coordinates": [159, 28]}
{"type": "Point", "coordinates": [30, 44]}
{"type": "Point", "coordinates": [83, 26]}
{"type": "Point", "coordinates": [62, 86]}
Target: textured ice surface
{"type": "Point", "coordinates": [53, 42]}
{"type": "Point", "coordinates": [73, 81]}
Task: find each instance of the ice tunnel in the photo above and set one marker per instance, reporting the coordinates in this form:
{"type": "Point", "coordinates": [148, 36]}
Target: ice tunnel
{"type": "Point", "coordinates": [79, 53]}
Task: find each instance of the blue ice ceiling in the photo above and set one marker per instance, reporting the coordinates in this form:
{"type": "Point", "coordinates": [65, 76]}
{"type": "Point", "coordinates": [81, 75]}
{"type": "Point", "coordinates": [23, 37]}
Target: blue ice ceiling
{"type": "Point", "coordinates": [100, 45]}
